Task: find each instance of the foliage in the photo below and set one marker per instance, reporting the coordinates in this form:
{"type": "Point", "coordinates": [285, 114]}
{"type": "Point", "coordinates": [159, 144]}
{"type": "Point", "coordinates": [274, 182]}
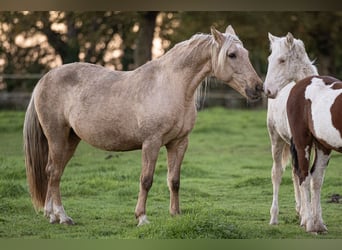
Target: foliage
{"type": "Point", "coordinates": [226, 188]}
{"type": "Point", "coordinates": [63, 36]}
{"type": "Point", "coordinates": [95, 36]}
{"type": "Point", "coordinates": [318, 30]}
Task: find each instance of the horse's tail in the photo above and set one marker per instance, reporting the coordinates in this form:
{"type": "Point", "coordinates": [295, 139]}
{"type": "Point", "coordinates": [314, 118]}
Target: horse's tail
{"type": "Point", "coordinates": [36, 156]}
{"type": "Point", "coordinates": [294, 158]}
{"type": "Point", "coordinates": [285, 156]}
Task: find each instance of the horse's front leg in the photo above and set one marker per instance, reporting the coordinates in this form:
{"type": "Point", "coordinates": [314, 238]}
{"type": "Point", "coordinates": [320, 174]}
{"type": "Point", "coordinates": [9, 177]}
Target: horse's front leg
{"type": "Point", "coordinates": [276, 173]}
{"type": "Point", "coordinates": [317, 176]}
{"type": "Point", "coordinates": [150, 150]}
{"type": "Point", "coordinates": [175, 155]}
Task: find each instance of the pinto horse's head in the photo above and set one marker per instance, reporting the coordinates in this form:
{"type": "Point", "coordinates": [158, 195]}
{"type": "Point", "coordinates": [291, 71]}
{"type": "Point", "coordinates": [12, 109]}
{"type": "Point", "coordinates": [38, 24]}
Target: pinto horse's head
{"type": "Point", "coordinates": [231, 64]}
{"type": "Point", "coordinates": [287, 62]}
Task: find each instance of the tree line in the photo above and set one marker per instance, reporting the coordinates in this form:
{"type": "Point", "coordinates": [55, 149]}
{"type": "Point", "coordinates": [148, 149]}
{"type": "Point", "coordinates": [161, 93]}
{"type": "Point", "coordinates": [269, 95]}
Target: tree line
{"type": "Point", "coordinates": [35, 42]}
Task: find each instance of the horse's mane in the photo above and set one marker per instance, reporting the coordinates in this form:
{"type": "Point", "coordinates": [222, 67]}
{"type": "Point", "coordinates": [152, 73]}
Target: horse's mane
{"type": "Point", "coordinates": [184, 53]}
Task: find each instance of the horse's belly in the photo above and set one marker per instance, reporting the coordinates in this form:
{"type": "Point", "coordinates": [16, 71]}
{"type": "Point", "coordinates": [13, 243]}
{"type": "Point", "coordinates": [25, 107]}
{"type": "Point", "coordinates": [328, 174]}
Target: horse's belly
{"type": "Point", "coordinates": [112, 143]}
{"type": "Point", "coordinates": [110, 139]}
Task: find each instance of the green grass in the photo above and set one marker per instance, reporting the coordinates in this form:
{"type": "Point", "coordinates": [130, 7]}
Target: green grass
{"type": "Point", "coordinates": [226, 188]}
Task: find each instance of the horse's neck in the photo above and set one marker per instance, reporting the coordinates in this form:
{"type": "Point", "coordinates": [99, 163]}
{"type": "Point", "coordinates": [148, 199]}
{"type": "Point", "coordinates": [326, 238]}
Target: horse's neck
{"type": "Point", "coordinates": [308, 70]}
{"type": "Point", "coordinates": [195, 65]}
{"type": "Point", "coordinates": [276, 113]}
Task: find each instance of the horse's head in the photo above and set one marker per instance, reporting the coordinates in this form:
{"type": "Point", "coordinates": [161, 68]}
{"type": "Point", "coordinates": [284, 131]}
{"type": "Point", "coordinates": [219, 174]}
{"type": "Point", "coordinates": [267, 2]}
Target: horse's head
{"type": "Point", "coordinates": [231, 64]}
{"type": "Point", "coordinates": [288, 62]}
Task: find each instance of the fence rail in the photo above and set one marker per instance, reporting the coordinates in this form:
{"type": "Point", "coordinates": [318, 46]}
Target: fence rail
{"type": "Point", "coordinates": [216, 95]}
{"type": "Point", "coordinates": [20, 76]}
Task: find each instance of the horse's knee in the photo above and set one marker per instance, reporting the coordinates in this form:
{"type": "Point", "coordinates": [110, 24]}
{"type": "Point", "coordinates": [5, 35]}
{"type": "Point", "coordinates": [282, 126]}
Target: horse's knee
{"type": "Point", "coordinates": [146, 182]}
{"type": "Point", "coordinates": [174, 185]}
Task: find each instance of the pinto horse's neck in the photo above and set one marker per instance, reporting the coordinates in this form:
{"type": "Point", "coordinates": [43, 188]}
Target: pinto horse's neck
{"type": "Point", "coordinates": [308, 70]}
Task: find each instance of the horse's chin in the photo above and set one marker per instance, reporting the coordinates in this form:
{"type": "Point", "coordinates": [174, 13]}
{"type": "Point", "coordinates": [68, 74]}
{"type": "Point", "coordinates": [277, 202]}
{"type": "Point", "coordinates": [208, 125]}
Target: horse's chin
{"type": "Point", "coordinates": [253, 96]}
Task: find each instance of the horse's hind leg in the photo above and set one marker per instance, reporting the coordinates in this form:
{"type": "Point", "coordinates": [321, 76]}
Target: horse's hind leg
{"type": "Point", "coordinates": [317, 176]}
{"type": "Point", "coordinates": [295, 180]}
{"type": "Point", "coordinates": [301, 149]}
{"type": "Point", "coordinates": [175, 155]}
{"type": "Point", "coordinates": [62, 145]}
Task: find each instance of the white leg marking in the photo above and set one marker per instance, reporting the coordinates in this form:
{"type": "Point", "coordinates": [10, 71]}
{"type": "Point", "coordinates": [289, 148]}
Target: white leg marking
{"type": "Point", "coordinates": [49, 211]}
{"type": "Point", "coordinates": [307, 152]}
{"type": "Point", "coordinates": [60, 213]}
{"type": "Point", "coordinates": [143, 220]}
{"type": "Point", "coordinates": [277, 172]}
{"type": "Point", "coordinates": [295, 180]}
{"type": "Point", "coordinates": [306, 211]}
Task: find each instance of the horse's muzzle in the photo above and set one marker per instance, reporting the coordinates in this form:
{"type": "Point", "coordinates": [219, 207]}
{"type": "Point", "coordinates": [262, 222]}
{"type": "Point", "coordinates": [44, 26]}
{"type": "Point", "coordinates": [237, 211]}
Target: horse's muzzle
{"type": "Point", "coordinates": [255, 94]}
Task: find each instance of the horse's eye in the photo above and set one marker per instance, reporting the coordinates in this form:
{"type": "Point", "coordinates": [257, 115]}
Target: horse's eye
{"type": "Point", "coordinates": [232, 55]}
{"type": "Point", "coordinates": [281, 60]}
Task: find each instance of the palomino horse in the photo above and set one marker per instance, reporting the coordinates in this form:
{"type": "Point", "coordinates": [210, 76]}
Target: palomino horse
{"type": "Point", "coordinates": [314, 110]}
{"type": "Point", "coordinates": [288, 63]}
{"type": "Point", "coordinates": [150, 107]}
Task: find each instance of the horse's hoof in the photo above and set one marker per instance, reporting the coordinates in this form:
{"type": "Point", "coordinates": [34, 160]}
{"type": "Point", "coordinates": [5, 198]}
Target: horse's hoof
{"type": "Point", "coordinates": [320, 228]}
{"type": "Point", "coordinates": [273, 221]}
{"type": "Point", "coordinates": [316, 228]}
{"type": "Point", "coordinates": [67, 221]}
{"type": "Point", "coordinates": [143, 220]}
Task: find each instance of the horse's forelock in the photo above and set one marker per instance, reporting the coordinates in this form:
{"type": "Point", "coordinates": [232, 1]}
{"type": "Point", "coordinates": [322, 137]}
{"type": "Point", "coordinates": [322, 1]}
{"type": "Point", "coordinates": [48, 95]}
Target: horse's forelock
{"type": "Point", "coordinates": [280, 47]}
{"type": "Point", "coordinates": [230, 39]}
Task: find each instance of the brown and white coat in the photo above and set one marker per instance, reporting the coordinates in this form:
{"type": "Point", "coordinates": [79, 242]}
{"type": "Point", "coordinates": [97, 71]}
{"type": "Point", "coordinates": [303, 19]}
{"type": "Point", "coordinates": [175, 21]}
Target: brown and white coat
{"type": "Point", "coordinates": [315, 119]}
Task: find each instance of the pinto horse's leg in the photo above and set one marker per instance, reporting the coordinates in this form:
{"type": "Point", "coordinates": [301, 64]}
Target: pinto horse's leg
{"type": "Point", "coordinates": [301, 149]}
{"type": "Point", "coordinates": [150, 150]}
{"type": "Point", "coordinates": [277, 172]}
{"type": "Point", "coordinates": [61, 148]}
{"type": "Point", "coordinates": [295, 180]}
{"type": "Point", "coordinates": [322, 157]}
{"type": "Point", "coordinates": [175, 155]}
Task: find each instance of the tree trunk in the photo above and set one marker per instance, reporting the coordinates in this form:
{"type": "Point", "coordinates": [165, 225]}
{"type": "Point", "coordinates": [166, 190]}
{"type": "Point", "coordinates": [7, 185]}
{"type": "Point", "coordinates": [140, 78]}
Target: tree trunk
{"type": "Point", "coordinates": [143, 51]}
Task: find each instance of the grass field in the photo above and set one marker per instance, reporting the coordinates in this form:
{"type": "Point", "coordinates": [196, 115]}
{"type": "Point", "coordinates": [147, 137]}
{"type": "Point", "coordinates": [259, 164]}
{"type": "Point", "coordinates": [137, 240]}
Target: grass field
{"type": "Point", "coordinates": [226, 188]}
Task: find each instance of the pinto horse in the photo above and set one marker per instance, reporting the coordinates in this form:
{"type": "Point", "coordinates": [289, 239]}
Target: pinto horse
{"type": "Point", "coordinates": [147, 108]}
{"type": "Point", "coordinates": [314, 110]}
{"type": "Point", "coordinates": [288, 63]}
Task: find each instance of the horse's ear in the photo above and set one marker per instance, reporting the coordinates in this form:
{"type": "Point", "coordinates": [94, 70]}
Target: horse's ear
{"type": "Point", "coordinates": [218, 36]}
{"type": "Point", "coordinates": [230, 30]}
{"type": "Point", "coordinates": [271, 37]}
{"type": "Point", "coordinates": [289, 39]}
